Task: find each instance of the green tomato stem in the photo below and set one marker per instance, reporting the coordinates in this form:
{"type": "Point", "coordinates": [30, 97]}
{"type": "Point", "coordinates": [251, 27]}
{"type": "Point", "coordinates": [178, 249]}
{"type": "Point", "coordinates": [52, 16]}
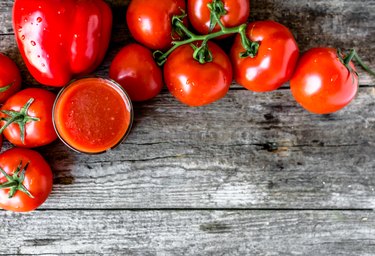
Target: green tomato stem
{"type": "Point", "coordinates": [6, 88]}
{"type": "Point", "coordinates": [15, 182]}
{"type": "Point", "coordinates": [247, 44]}
{"type": "Point", "coordinates": [19, 117]}
{"type": "Point", "coordinates": [360, 62]}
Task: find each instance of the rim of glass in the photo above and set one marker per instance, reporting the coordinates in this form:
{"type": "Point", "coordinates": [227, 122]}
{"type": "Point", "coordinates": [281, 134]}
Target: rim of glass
{"type": "Point", "coordinates": [121, 90]}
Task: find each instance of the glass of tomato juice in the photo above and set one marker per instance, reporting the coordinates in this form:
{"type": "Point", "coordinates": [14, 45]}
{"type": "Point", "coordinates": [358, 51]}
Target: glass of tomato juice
{"type": "Point", "coordinates": [92, 115]}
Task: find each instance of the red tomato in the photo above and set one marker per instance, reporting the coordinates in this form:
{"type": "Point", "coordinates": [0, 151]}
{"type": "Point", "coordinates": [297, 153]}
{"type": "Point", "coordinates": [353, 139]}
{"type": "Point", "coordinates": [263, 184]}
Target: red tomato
{"type": "Point", "coordinates": [135, 69]}
{"type": "Point", "coordinates": [322, 84]}
{"type": "Point", "coordinates": [150, 21]}
{"type": "Point", "coordinates": [275, 61]}
{"type": "Point", "coordinates": [27, 176]}
{"type": "Point", "coordinates": [198, 84]}
{"type": "Point", "coordinates": [36, 120]}
{"type": "Point", "coordinates": [238, 12]}
{"type": "Point", "coordinates": [10, 78]}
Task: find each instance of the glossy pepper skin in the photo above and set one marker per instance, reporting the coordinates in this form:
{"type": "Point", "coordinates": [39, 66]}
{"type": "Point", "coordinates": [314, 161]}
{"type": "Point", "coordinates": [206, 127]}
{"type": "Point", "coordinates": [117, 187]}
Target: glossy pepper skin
{"type": "Point", "coordinates": [59, 39]}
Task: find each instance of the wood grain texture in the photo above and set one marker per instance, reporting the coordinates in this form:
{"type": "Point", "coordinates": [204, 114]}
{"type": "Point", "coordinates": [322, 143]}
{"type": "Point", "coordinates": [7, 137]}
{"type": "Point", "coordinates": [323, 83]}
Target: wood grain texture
{"type": "Point", "coordinates": [189, 233]}
{"type": "Point", "coordinates": [246, 151]}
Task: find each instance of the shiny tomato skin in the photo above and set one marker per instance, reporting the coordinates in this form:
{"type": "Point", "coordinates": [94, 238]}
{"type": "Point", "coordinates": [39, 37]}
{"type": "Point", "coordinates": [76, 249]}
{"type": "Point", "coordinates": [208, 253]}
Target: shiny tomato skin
{"type": "Point", "coordinates": [150, 21]}
{"type": "Point", "coordinates": [238, 12]}
{"type": "Point", "coordinates": [321, 83]}
{"type": "Point", "coordinates": [198, 84]}
{"type": "Point", "coordinates": [135, 69]}
{"type": "Point", "coordinates": [37, 133]}
{"type": "Point", "coordinates": [9, 75]}
{"type": "Point", "coordinates": [275, 61]}
{"type": "Point", "coordinates": [38, 179]}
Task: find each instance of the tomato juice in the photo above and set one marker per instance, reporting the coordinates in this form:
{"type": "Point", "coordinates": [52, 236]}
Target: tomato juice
{"type": "Point", "coordinates": [92, 115]}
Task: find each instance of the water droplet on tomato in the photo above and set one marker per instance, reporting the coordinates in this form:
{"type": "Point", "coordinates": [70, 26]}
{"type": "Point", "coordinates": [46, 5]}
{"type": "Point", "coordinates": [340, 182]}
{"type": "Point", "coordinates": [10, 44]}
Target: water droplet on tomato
{"type": "Point", "coordinates": [39, 19]}
{"type": "Point", "coordinates": [25, 20]}
{"type": "Point", "coordinates": [33, 43]}
{"type": "Point", "coordinates": [23, 37]}
{"type": "Point", "coordinates": [43, 65]}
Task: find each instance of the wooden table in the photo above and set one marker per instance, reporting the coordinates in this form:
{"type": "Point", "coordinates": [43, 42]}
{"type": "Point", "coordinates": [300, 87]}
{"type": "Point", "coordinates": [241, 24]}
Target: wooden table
{"type": "Point", "coordinates": [252, 174]}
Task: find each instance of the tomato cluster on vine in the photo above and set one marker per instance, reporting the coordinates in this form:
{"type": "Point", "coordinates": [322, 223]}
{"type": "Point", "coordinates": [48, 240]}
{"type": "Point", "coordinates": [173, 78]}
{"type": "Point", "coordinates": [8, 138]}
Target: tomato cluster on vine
{"type": "Point", "coordinates": [264, 56]}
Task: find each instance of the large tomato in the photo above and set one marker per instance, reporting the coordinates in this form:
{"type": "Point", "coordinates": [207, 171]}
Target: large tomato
{"type": "Point", "coordinates": [322, 84]}
{"type": "Point", "coordinates": [10, 78]}
{"type": "Point", "coordinates": [237, 12]}
{"type": "Point", "coordinates": [150, 21]}
{"type": "Point", "coordinates": [135, 69]}
{"type": "Point", "coordinates": [197, 84]}
{"type": "Point", "coordinates": [27, 118]}
{"type": "Point", "coordinates": [25, 180]}
{"type": "Point", "coordinates": [274, 62]}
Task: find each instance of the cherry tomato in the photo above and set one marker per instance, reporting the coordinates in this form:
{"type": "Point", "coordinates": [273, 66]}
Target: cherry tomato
{"type": "Point", "coordinates": [135, 69]}
{"type": "Point", "coordinates": [197, 84]}
{"type": "Point", "coordinates": [25, 180]}
{"type": "Point", "coordinates": [10, 78]}
{"type": "Point", "coordinates": [32, 110]}
{"type": "Point", "coordinates": [150, 21]}
{"type": "Point", "coordinates": [275, 61]}
{"type": "Point", "coordinates": [322, 84]}
{"type": "Point", "coordinates": [237, 13]}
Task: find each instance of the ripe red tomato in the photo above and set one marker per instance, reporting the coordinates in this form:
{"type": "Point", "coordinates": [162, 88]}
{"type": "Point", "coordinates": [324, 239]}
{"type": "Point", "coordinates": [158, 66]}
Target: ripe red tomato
{"type": "Point", "coordinates": [150, 21]}
{"type": "Point", "coordinates": [135, 69]}
{"type": "Point", "coordinates": [25, 180]}
{"type": "Point", "coordinates": [198, 84]}
{"type": "Point", "coordinates": [238, 12]}
{"type": "Point", "coordinates": [10, 78]}
{"type": "Point", "coordinates": [35, 119]}
{"type": "Point", "coordinates": [322, 84]}
{"type": "Point", "coordinates": [275, 61]}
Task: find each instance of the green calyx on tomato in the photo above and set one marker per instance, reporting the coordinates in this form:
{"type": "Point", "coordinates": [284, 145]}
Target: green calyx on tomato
{"type": "Point", "coordinates": [217, 10]}
{"type": "Point", "coordinates": [349, 57]}
{"type": "Point", "coordinates": [19, 117]}
{"type": "Point", "coordinates": [15, 182]}
{"type": "Point", "coordinates": [6, 88]}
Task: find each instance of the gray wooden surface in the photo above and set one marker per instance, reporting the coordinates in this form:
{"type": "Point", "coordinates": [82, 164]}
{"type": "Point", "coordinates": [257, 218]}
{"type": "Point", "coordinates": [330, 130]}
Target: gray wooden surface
{"type": "Point", "coordinates": [252, 174]}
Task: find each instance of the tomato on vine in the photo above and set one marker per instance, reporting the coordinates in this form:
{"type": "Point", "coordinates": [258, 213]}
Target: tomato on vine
{"type": "Point", "coordinates": [149, 21]}
{"type": "Point", "coordinates": [273, 62]}
{"type": "Point", "coordinates": [326, 80]}
{"type": "Point", "coordinates": [194, 83]}
{"type": "Point", "coordinates": [10, 78]}
{"type": "Point", "coordinates": [230, 12]}
{"type": "Point", "coordinates": [25, 180]}
{"type": "Point", "coordinates": [26, 118]}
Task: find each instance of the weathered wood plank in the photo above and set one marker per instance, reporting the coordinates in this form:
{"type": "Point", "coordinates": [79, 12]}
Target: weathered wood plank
{"type": "Point", "coordinates": [343, 24]}
{"type": "Point", "coordinates": [189, 233]}
{"type": "Point", "coordinates": [247, 151]}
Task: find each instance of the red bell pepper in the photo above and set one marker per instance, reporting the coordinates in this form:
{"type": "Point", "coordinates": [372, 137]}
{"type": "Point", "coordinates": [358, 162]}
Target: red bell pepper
{"type": "Point", "coordinates": [59, 39]}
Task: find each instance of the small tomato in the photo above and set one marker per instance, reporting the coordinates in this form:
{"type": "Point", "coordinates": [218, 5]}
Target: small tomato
{"type": "Point", "coordinates": [25, 180]}
{"type": "Point", "coordinates": [135, 69]}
